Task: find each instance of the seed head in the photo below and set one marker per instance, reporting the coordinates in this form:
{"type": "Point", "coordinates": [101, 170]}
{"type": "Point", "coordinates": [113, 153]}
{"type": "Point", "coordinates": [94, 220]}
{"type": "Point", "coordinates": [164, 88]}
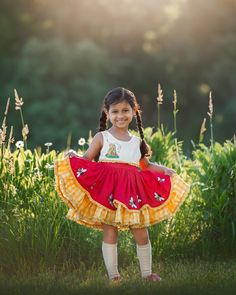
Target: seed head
{"type": "Point", "coordinates": [159, 94]}
{"type": "Point", "coordinates": [210, 113]}
{"type": "Point", "coordinates": [18, 101]}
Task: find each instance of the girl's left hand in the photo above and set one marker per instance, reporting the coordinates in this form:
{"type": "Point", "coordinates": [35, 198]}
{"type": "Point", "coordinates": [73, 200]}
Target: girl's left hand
{"type": "Point", "coordinates": [169, 171]}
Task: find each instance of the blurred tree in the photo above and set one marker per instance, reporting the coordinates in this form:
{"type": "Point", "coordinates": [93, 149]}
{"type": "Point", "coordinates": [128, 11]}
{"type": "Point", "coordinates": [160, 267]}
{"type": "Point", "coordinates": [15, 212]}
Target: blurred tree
{"type": "Point", "coordinates": [76, 50]}
{"type": "Point", "coordinates": [61, 85]}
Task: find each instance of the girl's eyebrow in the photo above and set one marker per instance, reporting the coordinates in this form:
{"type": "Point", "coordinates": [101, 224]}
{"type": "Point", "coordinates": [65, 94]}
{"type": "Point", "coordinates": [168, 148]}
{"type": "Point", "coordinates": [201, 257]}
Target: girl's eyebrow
{"type": "Point", "coordinates": [117, 109]}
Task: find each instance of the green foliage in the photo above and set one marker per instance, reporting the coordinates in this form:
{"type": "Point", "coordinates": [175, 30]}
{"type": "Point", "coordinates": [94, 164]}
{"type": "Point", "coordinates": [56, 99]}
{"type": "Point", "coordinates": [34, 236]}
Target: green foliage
{"type": "Point", "coordinates": [34, 229]}
{"type": "Point", "coordinates": [165, 148]}
{"type": "Point", "coordinates": [215, 171]}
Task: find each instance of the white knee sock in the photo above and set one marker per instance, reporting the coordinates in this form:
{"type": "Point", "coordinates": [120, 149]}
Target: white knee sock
{"type": "Point", "coordinates": [144, 253]}
{"type": "Point", "coordinates": [109, 252]}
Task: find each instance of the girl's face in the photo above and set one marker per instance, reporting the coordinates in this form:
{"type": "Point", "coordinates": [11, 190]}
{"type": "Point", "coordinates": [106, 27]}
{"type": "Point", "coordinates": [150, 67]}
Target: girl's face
{"type": "Point", "coordinates": [120, 114]}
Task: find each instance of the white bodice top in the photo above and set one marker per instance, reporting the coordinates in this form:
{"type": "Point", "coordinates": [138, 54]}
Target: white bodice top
{"type": "Point", "coordinates": [115, 150]}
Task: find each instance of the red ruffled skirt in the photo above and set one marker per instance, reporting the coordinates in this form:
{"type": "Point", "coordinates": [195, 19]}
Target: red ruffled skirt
{"type": "Point", "coordinates": [118, 194]}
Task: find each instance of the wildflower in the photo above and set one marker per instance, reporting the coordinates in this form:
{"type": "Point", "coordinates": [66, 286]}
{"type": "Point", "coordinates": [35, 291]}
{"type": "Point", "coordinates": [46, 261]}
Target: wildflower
{"type": "Point", "coordinates": [210, 113]}
{"type": "Point", "coordinates": [11, 165]}
{"type": "Point", "coordinates": [7, 106]}
{"type": "Point", "coordinates": [18, 101]}
{"type": "Point", "coordinates": [202, 130]}
{"type": "Point", "coordinates": [25, 131]}
{"type": "Point", "coordinates": [90, 137]}
{"type": "Point", "coordinates": [49, 166]}
{"type": "Point", "coordinates": [3, 131]}
{"type": "Point", "coordinates": [48, 144]}
{"type": "Point", "coordinates": [11, 138]}
{"type": "Point", "coordinates": [160, 94]}
{"type": "Point", "coordinates": [81, 141]}
{"type": "Point", "coordinates": [175, 99]}
{"type": "Point", "coordinates": [19, 144]}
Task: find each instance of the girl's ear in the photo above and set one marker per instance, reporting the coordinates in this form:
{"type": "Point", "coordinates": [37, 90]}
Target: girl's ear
{"type": "Point", "coordinates": [106, 112]}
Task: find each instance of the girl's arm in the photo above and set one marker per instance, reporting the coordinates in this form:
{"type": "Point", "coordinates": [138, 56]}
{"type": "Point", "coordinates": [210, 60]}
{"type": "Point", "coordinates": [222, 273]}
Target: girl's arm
{"type": "Point", "coordinates": [145, 164]}
{"type": "Point", "coordinates": [92, 151]}
{"type": "Point", "coordinates": [94, 147]}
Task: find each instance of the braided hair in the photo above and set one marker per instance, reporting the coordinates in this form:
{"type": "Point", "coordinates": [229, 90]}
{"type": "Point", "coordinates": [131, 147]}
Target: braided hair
{"type": "Point", "coordinates": [118, 95]}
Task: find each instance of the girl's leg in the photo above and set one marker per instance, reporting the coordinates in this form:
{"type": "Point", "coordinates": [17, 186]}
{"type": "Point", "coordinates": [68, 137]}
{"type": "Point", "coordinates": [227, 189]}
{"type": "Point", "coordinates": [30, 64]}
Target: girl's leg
{"type": "Point", "coordinates": [144, 253]}
{"type": "Point", "coordinates": [109, 250]}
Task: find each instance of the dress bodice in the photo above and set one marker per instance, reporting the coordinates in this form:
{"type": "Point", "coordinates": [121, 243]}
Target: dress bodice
{"type": "Point", "coordinates": [115, 150]}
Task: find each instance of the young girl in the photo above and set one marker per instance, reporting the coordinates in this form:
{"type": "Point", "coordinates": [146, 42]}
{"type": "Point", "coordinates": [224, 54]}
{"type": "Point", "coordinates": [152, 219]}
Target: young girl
{"type": "Point", "coordinates": [122, 190]}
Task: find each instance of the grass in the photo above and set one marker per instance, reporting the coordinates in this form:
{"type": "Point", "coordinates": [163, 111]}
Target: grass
{"type": "Point", "coordinates": [43, 253]}
{"type": "Point", "coordinates": [183, 277]}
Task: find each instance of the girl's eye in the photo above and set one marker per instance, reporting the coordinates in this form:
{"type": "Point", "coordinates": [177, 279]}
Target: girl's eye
{"type": "Point", "coordinates": [114, 112]}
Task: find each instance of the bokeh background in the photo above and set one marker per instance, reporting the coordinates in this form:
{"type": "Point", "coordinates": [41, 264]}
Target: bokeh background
{"type": "Point", "coordinates": [63, 56]}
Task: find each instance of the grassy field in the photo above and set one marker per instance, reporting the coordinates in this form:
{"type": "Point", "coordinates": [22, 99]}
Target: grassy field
{"type": "Point", "coordinates": [44, 253]}
{"type": "Point", "coordinates": [183, 277]}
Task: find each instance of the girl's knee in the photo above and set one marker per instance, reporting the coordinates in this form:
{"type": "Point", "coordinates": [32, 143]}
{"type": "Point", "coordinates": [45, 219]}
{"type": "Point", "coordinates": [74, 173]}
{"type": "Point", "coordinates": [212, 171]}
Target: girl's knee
{"type": "Point", "coordinates": [141, 235]}
{"type": "Point", "coordinates": [110, 234]}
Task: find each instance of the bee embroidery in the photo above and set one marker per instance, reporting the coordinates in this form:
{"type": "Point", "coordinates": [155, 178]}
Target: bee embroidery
{"type": "Point", "coordinates": [160, 179]}
{"type": "Point", "coordinates": [131, 202]}
{"type": "Point", "coordinates": [81, 171]}
{"type": "Point", "coordinates": [139, 199]}
{"type": "Point", "coordinates": [158, 197]}
{"type": "Point", "coordinates": [110, 199]}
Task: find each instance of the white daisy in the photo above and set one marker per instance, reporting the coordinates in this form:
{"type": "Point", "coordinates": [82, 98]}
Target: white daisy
{"type": "Point", "coordinates": [81, 141]}
{"type": "Point", "coordinates": [19, 144]}
{"type": "Point", "coordinates": [48, 144]}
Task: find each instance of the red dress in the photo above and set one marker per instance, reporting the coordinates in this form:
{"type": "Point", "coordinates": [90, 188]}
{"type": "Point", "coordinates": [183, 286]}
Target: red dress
{"type": "Point", "coordinates": [116, 192]}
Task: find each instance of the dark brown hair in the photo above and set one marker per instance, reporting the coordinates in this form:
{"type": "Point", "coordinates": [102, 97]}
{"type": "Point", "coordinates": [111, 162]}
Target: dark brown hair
{"type": "Point", "coordinates": [118, 95]}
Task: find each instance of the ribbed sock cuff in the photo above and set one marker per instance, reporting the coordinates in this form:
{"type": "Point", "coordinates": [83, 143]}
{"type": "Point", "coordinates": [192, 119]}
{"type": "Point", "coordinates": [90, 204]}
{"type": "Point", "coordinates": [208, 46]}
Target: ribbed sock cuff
{"type": "Point", "coordinates": [110, 257]}
{"type": "Point", "coordinates": [144, 253]}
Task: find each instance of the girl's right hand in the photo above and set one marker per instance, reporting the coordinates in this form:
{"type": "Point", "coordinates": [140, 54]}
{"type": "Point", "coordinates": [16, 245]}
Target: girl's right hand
{"type": "Point", "coordinates": [70, 153]}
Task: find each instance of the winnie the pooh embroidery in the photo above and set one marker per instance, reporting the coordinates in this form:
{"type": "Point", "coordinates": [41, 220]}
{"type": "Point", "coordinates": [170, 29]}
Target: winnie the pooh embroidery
{"type": "Point", "coordinates": [112, 151]}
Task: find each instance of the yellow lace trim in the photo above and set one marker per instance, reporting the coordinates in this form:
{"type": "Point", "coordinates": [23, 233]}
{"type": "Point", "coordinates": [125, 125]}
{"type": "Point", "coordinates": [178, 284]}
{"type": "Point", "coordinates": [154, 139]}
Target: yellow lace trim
{"type": "Point", "coordinates": [84, 210]}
